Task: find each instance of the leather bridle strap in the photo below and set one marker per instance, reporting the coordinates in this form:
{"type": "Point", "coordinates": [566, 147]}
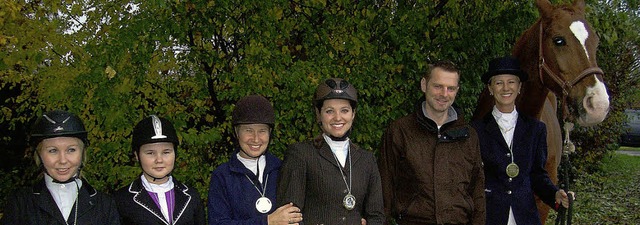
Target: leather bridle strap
{"type": "Point", "coordinates": [564, 85]}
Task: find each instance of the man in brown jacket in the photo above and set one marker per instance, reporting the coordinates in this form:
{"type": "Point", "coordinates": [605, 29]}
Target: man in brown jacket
{"type": "Point", "coordinates": [430, 161]}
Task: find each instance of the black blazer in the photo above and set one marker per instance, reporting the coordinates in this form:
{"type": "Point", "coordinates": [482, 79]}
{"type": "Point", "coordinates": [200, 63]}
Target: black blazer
{"type": "Point", "coordinates": [36, 206]}
{"type": "Point", "coordinates": [137, 207]}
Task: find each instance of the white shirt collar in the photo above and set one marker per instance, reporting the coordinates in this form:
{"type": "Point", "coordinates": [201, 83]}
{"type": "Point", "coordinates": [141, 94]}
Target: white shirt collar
{"type": "Point", "coordinates": [339, 148]}
{"type": "Point", "coordinates": [253, 166]}
{"type": "Point", "coordinates": [63, 194]}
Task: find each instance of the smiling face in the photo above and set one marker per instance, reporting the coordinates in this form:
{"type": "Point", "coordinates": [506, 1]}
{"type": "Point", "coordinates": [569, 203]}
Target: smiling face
{"type": "Point", "coordinates": [61, 156]}
{"type": "Point", "coordinates": [505, 89]}
{"type": "Point", "coordinates": [157, 161]}
{"type": "Point", "coordinates": [336, 117]}
{"type": "Point", "coordinates": [440, 91]}
{"type": "Point", "coordinates": [253, 139]}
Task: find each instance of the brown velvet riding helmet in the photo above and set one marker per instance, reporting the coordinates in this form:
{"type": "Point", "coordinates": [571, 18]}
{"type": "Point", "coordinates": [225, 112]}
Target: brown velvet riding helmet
{"type": "Point", "coordinates": [253, 109]}
{"type": "Point", "coordinates": [504, 65]}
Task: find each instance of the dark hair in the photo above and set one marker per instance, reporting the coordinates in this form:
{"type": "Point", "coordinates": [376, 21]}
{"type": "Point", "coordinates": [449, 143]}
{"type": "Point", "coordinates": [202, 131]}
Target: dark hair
{"type": "Point", "coordinates": [445, 65]}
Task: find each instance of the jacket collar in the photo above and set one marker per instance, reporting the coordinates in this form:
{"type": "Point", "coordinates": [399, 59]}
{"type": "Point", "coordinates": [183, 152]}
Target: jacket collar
{"type": "Point", "coordinates": [325, 152]}
{"type": "Point", "coordinates": [491, 127]}
{"type": "Point", "coordinates": [142, 198]}
{"type": "Point", "coordinates": [453, 130]}
{"type": "Point", "coordinates": [49, 205]}
{"type": "Point", "coordinates": [236, 166]}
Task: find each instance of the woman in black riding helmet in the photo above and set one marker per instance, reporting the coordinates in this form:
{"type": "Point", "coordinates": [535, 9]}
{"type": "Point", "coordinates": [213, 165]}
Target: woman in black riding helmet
{"type": "Point", "coordinates": [156, 197]}
{"type": "Point", "coordinates": [332, 180]}
{"type": "Point", "coordinates": [59, 141]}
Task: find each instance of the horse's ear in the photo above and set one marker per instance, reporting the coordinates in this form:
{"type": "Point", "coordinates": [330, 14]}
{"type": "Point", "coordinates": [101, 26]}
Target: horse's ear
{"type": "Point", "coordinates": [579, 4]}
{"type": "Point", "coordinates": [545, 8]}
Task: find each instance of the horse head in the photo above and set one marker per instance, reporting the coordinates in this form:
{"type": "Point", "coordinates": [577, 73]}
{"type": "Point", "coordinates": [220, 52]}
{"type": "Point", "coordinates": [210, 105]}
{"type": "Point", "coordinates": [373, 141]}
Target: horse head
{"type": "Point", "coordinates": [566, 61]}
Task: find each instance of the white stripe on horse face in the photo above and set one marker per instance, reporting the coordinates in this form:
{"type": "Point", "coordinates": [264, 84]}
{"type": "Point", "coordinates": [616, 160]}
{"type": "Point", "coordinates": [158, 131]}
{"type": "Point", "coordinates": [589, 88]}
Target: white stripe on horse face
{"type": "Point", "coordinates": [581, 33]}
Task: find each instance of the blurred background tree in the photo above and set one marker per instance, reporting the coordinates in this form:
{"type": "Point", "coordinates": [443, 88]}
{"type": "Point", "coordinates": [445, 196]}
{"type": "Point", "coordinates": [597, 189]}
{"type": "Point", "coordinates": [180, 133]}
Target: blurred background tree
{"type": "Point", "coordinates": [116, 62]}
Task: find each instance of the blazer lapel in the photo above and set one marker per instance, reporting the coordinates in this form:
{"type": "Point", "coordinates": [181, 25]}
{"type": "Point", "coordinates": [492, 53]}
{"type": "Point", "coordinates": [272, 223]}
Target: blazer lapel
{"type": "Point", "coordinates": [142, 198]}
{"type": "Point", "coordinates": [47, 204]}
{"type": "Point", "coordinates": [326, 153]}
{"type": "Point", "coordinates": [522, 128]}
{"type": "Point", "coordinates": [85, 199]}
{"type": "Point", "coordinates": [182, 199]}
{"type": "Point", "coordinates": [491, 127]}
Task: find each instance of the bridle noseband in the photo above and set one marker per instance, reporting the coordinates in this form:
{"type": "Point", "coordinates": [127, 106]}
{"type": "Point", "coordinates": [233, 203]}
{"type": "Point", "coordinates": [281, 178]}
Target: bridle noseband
{"type": "Point", "coordinates": [565, 85]}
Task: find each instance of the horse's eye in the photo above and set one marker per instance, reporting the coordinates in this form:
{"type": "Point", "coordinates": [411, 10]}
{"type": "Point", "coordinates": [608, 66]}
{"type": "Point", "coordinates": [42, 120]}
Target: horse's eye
{"type": "Point", "coordinates": [559, 41]}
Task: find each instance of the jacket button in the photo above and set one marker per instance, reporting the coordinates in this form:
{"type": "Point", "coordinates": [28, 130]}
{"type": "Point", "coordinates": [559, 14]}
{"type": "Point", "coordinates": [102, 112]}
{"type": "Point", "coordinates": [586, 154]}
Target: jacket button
{"type": "Point", "coordinates": [508, 154]}
{"type": "Point", "coordinates": [508, 192]}
{"type": "Point", "coordinates": [510, 179]}
{"type": "Point", "coordinates": [344, 218]}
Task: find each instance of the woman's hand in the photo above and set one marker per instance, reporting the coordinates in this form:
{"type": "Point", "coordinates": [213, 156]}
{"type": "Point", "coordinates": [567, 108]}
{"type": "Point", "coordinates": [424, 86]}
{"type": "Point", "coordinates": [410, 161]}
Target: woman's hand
{"type": "Point", "coordinates": [286, 214]}
{"type": "Point", "coordinates": [563, 198]}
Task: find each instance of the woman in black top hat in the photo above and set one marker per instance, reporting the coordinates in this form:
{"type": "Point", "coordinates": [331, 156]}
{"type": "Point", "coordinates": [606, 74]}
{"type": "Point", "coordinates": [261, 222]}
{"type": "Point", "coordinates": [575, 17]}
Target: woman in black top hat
{"type": "Point", "coordinates": [59, 141]}
{"type": "Point", "coordinates": [156, 197]}
{"type": "Point", "coordinates": [514, 152]}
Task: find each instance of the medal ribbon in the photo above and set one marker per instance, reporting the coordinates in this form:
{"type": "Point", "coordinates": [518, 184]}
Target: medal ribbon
{"type": "Point", "coordinates": [340, 168]}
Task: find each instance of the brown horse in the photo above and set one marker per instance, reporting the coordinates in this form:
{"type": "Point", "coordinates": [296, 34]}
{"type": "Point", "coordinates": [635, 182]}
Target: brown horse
{"type": "Point", "coordinates": [559, 54]}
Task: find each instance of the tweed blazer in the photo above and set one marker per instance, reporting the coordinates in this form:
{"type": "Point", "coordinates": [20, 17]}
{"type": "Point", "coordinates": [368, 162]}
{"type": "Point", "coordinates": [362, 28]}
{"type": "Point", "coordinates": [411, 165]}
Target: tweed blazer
{"type": "Point", "coordinates": [137, 207]}
{"type": "Point", "coordinates": [310, 178]}
{"type": "Point", "coordinates": [530, 154]}
{"type": "Point", "coordinates": [36, 206]}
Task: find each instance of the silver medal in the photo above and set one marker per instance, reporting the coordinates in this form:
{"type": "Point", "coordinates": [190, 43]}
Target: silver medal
{"type": "Point", "coordinates": [349, 202]}
{"type": "Point", "coordinates": [263, 205]}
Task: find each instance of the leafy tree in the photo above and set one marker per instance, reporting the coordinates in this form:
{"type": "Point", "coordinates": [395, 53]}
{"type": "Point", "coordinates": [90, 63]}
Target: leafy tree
{"type": "Point", "coordinates": [116, 62]}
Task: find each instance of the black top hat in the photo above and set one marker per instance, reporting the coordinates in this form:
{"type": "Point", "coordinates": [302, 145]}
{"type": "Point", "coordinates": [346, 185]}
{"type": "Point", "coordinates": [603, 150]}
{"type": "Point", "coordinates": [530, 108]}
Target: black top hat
{"type": "Point", "coordinates": [504, 65]}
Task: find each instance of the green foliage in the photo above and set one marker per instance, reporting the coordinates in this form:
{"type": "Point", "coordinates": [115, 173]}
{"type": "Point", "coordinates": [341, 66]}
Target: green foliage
{"type": "Point", "coordinates": [609, 196]}
{"type": "Point", "coordinates": [190, 61]}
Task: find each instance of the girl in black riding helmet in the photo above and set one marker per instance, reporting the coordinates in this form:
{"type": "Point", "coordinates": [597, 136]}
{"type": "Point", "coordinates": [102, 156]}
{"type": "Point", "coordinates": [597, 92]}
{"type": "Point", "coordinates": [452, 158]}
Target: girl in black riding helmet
{"type": "Point", "coordinates": [59, 141]}
{"type": "Point", "coordinates": [156, 197]}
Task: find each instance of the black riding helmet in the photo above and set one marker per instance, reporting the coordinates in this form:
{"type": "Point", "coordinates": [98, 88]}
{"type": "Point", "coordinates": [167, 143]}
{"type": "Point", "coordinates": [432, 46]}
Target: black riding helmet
{"type": "Point", "coordinates": [153, 129]}
{"type": "Point", "coordinates": [58, 123]}
{"type": "Point", "coordinates": [335, 88]}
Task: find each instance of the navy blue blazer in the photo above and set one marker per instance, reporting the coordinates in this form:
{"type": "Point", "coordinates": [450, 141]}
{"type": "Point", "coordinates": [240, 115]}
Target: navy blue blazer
{"type": "Point", "coordinates": [530, 154]}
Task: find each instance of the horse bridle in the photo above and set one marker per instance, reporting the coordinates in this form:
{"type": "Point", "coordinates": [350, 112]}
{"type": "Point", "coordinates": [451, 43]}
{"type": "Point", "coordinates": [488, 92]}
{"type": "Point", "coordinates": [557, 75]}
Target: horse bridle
{"type": "Point", "coordinates": [564, 84]}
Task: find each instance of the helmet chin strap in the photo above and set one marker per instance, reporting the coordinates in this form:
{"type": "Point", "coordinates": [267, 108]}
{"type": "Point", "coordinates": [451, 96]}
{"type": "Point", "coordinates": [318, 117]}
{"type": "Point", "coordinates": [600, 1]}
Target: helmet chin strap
{"type": "Point", "coordinates": [343, 138]}
{"type": "Point", "coordinates": [71, 179]}
{"type": "Point", "coordinates": [156, 178]}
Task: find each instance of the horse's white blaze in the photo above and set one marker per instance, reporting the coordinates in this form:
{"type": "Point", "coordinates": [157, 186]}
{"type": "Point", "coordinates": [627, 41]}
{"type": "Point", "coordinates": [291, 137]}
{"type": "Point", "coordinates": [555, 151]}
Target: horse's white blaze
{"type": "Point", "coordinates": [581, 33]}
{"type": "Point", "coordinates": [595, 103]}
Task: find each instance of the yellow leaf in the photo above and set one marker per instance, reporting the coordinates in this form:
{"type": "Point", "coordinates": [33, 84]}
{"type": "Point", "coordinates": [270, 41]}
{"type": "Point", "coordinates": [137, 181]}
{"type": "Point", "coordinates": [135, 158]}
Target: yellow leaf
{"type": "Point", "coordinates": [111, 73]}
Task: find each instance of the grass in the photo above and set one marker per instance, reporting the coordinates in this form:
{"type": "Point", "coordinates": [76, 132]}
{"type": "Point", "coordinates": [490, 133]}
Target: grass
{"type": "Point", "coordinates": [611, 196]}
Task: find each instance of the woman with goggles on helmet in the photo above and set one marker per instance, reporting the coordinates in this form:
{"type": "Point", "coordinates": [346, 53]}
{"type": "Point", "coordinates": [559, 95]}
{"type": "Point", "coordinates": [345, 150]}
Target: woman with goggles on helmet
{"type": "Point", "coordinates": [59, 140]}
{"type": "Point", "coordinates": [156, 197]}
{"type": "Point", "coordinates": [332, 180]}
{"type": "Point", "coordinates": [243, 190]}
